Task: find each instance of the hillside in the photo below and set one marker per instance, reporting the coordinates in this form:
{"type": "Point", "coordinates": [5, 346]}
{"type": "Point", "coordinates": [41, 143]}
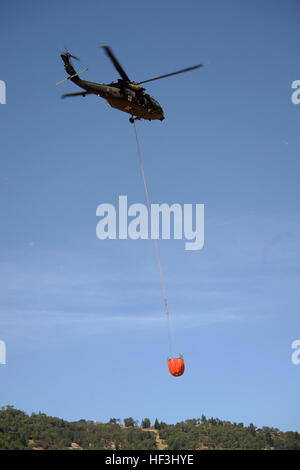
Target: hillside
{"type": "Point", "coordinates": [40, 432]}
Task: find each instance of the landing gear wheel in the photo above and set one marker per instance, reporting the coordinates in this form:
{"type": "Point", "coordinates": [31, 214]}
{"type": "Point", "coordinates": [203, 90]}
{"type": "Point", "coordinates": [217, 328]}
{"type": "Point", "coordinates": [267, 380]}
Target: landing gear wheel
{"type": "Point", "coordinates": [131, 120]}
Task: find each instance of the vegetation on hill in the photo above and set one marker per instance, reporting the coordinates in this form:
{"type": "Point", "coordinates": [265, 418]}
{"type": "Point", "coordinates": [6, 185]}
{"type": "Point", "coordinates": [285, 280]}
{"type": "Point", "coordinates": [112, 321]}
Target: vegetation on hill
{"type": "Point", "coordinates": [216, 434]}
{"type": "Point", "coordinates": [38, 431]}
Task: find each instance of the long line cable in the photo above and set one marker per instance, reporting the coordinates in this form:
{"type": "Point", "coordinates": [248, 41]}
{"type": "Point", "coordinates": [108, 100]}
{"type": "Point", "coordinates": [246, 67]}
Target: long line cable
{"type": "Point", "coordinates": [155, 241]}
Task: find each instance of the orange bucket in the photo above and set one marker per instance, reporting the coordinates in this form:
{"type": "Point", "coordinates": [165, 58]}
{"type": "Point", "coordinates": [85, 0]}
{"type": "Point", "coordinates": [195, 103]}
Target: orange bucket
{"type": "Point", "coordinates": [176, 366]}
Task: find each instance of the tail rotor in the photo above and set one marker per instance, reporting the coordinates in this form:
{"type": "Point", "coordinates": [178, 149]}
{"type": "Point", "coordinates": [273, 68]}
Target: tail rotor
{"type": "Point", "coordinates": [66, 57]}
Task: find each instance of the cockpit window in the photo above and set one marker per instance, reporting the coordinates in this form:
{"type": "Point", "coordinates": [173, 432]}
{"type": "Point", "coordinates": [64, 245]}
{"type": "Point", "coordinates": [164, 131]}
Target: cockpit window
{"type": "Point", "coordinates": [154, 102]}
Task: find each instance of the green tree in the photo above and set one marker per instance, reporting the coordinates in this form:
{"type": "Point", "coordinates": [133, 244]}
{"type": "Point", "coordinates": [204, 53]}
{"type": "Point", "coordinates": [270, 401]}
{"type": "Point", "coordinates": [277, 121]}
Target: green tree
{"type": "Point", "coordinates": [114, 421]}
{"type": "Point", "coordinates": [130, 422]}
{"type": "Point", "coordinates": [203, 419]}
{"type": "Point", "coordinates": [146, 423]}
{"type": "Point", "coordinates": [156, 424]}
{"type": "Point", "coordinates": [252, 429]}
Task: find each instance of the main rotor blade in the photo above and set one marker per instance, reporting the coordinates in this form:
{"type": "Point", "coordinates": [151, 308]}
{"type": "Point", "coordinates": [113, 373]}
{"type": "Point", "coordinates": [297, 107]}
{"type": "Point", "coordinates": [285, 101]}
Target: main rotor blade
{"type": "Point", "coordinates": [116, 63]}
{"type": "Point", "coordinates": [82, 93]}
{"type": "Point", "coordinates": [170, 74]}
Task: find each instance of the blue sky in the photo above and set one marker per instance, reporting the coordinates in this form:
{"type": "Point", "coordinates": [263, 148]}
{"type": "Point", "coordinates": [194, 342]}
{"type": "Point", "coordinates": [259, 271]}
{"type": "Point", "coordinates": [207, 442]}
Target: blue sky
{"type": "Point", "coordinates": [83, 319]}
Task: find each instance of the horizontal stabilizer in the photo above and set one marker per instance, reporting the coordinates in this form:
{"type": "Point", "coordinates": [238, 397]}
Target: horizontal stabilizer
{"type": "Point", "coordinates": [81, 93]}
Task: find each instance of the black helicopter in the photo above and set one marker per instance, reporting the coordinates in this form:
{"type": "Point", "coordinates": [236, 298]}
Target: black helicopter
{"type": "Point", "coordinates": [124, 94]}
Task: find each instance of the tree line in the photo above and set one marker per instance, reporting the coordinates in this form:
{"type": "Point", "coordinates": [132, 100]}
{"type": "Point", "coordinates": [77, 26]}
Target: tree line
{"type": "Point", "coordinates": [20, 431]}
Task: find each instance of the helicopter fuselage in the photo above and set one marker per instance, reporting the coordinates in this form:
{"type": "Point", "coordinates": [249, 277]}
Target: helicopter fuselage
{"type": "Point", "coordinates": [121, 95]}
{"type": "Point", "coordinates": [125, 98]}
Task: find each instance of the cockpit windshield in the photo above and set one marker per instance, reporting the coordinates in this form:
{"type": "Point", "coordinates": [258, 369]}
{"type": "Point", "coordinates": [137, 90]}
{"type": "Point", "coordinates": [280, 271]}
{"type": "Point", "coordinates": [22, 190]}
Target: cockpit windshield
{"type": "Point", "coordinates": [155, 102]}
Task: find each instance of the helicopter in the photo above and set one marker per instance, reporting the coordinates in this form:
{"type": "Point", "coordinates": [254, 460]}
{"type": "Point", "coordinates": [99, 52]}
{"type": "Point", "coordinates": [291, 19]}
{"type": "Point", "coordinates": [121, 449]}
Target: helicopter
{"type": "Point", "coordinates": [125, 95]}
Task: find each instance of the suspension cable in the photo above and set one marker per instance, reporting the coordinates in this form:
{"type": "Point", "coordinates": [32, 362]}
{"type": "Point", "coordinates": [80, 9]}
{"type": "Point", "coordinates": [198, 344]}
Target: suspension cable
{"type": "Point", "coordinates": [155, 241]}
